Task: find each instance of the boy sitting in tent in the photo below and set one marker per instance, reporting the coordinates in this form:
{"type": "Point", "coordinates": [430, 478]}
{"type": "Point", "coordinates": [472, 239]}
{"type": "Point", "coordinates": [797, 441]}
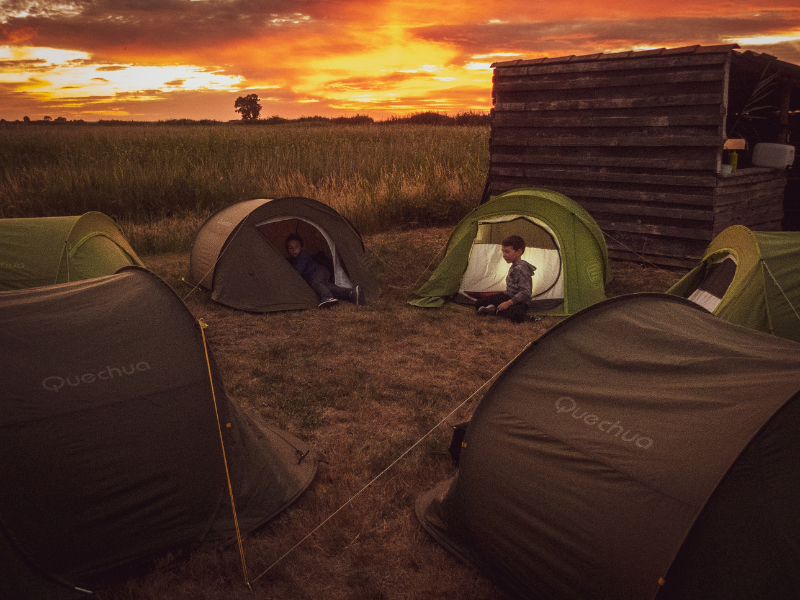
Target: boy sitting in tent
{"type": "Point", "coordinates": [319, 277]}
{"type": "Point", "coordinates": [513, 303]}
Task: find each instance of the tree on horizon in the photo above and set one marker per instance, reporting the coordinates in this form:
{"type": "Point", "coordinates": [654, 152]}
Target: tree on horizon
{"type": "Point", "coordinates": [248, 106]}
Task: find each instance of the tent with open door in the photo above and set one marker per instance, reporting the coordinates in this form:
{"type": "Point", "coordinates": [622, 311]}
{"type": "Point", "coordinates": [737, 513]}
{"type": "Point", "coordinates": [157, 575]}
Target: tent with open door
{"type": "Point", "coordinates": [239, 254]}
{"type": "Point", "coordinates": [116, 435]}
{"type": "Point", "coordinates": [48, 250]}
{"type": "Point", "coordinates": [640, 449]}
{"type": "Point", "coordinates": [562, 241]}
{"type": "Point", "coordinates": [751, 278]}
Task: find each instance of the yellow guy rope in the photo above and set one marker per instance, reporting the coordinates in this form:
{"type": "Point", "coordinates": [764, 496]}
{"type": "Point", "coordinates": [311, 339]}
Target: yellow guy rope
{"type": "Point", "coordinates": [203, 325]}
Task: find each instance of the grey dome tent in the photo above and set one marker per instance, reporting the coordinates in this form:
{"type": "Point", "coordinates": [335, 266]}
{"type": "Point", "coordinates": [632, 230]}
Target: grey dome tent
{"type": "Point", "coordinates": [239, 254]}
{"type": "Point", "coordinates": [640, 449]}
{"type": "Point", "coordinates": [111, 450]}
{"type": "Point", "coordinates": [49, 250]}
{"type": "Point", "coordinates": [562, 241]}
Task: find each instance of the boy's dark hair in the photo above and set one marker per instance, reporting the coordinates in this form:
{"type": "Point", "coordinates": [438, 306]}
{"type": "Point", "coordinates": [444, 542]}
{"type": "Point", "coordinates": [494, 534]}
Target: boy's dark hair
{"type": "Point", "coordinates": [516, 242]}
{"type": "Point", "coordinates": [293, 237]}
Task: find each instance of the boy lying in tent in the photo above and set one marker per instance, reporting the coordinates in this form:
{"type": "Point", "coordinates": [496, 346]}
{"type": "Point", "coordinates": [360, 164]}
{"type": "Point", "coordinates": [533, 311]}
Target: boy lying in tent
{"type": "Point", "coordinates": [319, 277]}
{"type": "Point", "coordinates": [513, 303]}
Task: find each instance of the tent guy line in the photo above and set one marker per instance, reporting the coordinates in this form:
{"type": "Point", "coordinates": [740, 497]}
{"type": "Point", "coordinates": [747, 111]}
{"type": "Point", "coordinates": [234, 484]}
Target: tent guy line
{"type": "Point", "coordinates": [203, 326]}
{"type": "Point", "coordinates": [632, 251]}
{"type": "Point", "coordinates": [388, 468]}
{"type": "Point", "coordinates": [213, 265]}
{"type": "Point", "coordinates": [775, 280]}
{"type": "Point", "coordinates": [425, 270]}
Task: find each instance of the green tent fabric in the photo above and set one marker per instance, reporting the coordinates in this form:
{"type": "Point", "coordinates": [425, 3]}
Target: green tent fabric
{"type": "Point", "coordinates": [49, 250]}
{"type": "Point", "coordinates": [111, 448]}
{"type": "Point", "coordinates": [239, 254]}
{"type": "Point", "coordinates": [563, 242]}
{"type": "Point", "coordinates": [750, 278]}
{"type": "Point", "coordinates": [642, 439]}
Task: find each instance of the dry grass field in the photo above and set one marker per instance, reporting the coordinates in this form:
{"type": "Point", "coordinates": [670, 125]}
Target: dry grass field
{"type": "Point", "coordinates": [376, 175]}
{"type": "Point", "coordinates": [375, 390]}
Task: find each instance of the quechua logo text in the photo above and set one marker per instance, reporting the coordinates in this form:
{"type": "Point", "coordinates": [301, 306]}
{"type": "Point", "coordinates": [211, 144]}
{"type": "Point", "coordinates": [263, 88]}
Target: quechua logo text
{"type": "Point", "coordinates": [610, 427]}
{"type": "Point", "coordinates": [55, 383]}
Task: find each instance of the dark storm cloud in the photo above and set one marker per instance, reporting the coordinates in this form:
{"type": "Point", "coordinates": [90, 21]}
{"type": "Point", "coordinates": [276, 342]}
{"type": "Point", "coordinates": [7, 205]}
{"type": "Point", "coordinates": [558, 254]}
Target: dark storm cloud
{"type": "Point", "coordinates": [572, 36]}
{"type": "Point", "coordinates": [156, 25]}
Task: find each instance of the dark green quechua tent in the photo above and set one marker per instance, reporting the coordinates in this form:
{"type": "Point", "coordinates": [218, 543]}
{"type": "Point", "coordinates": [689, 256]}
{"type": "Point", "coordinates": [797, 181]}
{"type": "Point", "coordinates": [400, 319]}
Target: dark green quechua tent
{"type": "Point", "coordinates": [562, 241]}
{"type": "Point", "coordinates": [112, 453]}
{"type": "Point", "coordinates": [50, 250]}
{"type": "Point", "coordinates": [640, 449]}
{"type": "Point", "coordinates": [239, 254]}
{"type": "Point", "coordinates": [750, 278]}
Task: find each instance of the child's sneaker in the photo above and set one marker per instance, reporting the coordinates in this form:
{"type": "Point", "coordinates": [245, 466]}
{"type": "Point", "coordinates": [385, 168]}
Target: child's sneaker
{"type": "Point", "coordinates": [486, 311]}
{"type": "Point", "coordinates": [328, 302]}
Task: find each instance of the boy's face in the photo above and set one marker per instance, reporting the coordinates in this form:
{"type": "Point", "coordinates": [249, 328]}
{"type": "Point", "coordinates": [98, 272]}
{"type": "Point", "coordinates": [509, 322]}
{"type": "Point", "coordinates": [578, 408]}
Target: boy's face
{"type": "Point", "coordinates": [510, 255]}
{"type": "Point", "coordinates": [293, 248]}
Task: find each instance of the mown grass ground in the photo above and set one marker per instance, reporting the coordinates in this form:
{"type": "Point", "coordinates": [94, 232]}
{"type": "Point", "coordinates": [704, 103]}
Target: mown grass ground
{"type": "Point", "coordinates": [374, 390]}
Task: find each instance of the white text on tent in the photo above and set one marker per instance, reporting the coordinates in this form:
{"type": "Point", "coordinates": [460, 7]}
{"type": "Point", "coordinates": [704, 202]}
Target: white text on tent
{"type": "Point", "coordinates": [565, 404]}
{"type": "Point", "coordinates": [54, 383]}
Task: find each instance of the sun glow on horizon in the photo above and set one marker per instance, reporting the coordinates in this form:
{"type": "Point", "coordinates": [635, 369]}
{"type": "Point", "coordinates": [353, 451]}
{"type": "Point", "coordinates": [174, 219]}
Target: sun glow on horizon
{"type": "Point", "coordinates": [385, 79]}
{"type": "Point", "coordinates": [766, 40]}
{"type": "Point", "coordinates": [70, 75]}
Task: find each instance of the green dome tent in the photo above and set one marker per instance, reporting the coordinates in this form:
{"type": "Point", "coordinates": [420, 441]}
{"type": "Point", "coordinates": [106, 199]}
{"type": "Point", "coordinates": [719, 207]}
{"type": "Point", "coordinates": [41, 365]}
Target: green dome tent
{"type": "Point", "coordinates": [239, 254]}
{"type": "Point", "coordinates": [562, 240]}
{"type": "Point", "coordinates": [112, 450]}
{"type": "Point", "coordinates": [639, 449]}
{"type": "Point", "coordinates": [751, 278]}
{"type": "Point", "coordinates": [49, 250]}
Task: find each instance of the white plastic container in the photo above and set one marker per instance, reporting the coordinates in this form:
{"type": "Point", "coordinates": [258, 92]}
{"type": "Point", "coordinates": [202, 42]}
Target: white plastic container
{"type": "Point", "coordinates": [774, 156]}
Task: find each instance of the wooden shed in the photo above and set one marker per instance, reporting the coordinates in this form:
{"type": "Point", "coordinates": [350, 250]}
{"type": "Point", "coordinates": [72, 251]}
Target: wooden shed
{"type": "Point", "coordinates": [638, 139]}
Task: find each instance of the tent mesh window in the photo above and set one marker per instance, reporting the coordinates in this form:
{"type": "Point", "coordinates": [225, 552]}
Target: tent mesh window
{"type": "Point", "coordinates": [486, 271]}
{"type": "Point", "coordinates": [319, 245]}
{"type": "Point", "coordinates": [716, 279]}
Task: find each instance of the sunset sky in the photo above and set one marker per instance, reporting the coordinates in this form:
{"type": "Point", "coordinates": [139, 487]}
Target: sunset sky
{"type": "Point", "coordinates": [169, 59]}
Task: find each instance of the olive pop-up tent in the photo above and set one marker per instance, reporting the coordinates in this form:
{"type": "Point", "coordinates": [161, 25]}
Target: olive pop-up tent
{"type": "Point", "coordinates": [751, 278]}
{"type": "Point", "coordinates": [49, 250]}
{"type": "Point", "coordinates": [239, 254]}
{"type": "Point", "coordinates": [641, 448]}
{"type": "Point", "coordinates": [562, 241]}
{"type": "Point", "coordinates": [112, 450]}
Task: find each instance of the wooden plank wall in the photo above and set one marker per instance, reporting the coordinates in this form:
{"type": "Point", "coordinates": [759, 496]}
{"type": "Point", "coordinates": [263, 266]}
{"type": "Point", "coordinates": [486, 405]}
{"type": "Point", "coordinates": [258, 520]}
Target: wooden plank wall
{"type": "Point", "coordinates": [636, 139]}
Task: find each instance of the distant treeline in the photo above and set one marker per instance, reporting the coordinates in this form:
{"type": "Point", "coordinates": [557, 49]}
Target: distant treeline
{"type": "Point", "coordinates": [422, 118]}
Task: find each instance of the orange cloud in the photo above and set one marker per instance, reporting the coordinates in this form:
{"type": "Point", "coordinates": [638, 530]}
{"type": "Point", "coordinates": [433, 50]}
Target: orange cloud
{"type": "Point", "coordinates": [16, 35]}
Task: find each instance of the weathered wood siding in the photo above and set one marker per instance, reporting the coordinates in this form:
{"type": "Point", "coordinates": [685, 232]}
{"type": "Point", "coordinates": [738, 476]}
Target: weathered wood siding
{"type": "Point", "coordinates": [636, 139]}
